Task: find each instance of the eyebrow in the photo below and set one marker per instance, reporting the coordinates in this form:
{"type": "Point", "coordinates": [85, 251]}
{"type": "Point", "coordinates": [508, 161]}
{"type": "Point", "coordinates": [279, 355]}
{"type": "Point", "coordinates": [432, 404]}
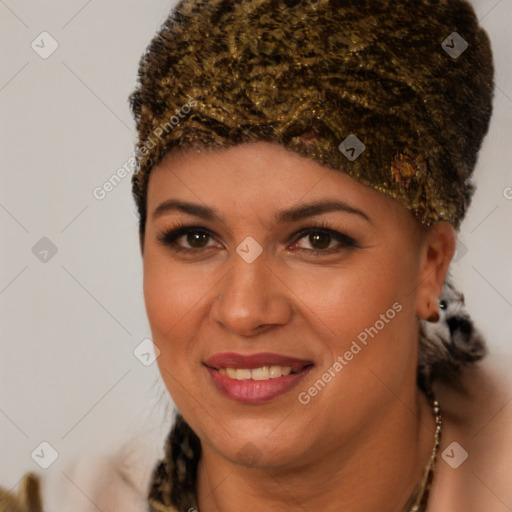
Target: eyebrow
{"type": "Point", "coordinates": [285, 215]}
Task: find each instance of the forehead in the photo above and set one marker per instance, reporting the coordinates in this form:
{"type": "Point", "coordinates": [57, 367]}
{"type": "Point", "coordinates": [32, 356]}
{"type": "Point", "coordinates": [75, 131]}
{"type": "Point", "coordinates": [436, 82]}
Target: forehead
{"type": "Point", "coordinates": [254, 173]}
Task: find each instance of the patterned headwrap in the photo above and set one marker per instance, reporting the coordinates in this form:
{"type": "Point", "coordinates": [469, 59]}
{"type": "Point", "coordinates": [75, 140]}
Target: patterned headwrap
{"type": "Point", "coordinates": [396, 94]}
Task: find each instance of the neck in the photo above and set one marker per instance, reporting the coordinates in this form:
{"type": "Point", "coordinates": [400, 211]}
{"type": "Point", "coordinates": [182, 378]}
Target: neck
{"type": "Point", "coordinates": [379, 470]}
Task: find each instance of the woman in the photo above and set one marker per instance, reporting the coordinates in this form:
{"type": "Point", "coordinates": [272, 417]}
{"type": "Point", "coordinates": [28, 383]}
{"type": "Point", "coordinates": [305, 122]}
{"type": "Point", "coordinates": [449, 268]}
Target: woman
{"type": "Point", "coordinates": [302, 170]}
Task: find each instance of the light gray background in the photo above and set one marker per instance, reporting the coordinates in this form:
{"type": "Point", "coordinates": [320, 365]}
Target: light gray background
{"type": "Point", "coordinates": [70, 325]}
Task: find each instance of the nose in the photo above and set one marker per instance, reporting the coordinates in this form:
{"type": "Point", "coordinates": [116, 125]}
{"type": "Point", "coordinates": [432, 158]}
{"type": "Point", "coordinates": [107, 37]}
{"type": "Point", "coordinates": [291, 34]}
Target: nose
{"type": "Point", "coordinates": [251, 298]}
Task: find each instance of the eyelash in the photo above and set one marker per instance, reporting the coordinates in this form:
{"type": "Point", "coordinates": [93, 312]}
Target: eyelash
{"type": "Point", "coordinates": [168, 237]}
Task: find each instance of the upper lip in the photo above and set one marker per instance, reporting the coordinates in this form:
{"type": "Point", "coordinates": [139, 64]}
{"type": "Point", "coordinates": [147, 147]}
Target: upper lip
{"type": "Point", "coordinates": [234, 360]}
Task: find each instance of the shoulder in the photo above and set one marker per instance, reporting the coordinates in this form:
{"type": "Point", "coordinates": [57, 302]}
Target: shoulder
{"type": "Point", "coordinates": [119, 482]}
{"type": "Point", "coordinates": [109, 482]}
{"type": "Point", "coordinates": [114, 481]}
{"type": "Point", "coordinates": [474, 466]}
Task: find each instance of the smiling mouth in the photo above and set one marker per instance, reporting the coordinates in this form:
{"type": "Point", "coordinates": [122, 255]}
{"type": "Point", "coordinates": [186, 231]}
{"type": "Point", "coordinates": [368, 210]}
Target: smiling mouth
{"type": "Point", "coordinates": [231, 367]}
{"type": "Point", "coordinates": [261, 373]}
{"type": "Point", "coordinates": [258, 384]}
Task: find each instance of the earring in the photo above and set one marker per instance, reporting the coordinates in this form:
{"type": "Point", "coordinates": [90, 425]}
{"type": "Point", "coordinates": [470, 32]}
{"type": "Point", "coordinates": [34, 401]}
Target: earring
{"type": "Point", "coordinates": [434, 317]}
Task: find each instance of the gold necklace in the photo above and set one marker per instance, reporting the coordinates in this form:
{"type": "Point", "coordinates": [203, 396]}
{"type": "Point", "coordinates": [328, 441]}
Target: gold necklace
{"type": "Point", "coordinates": [418, 501]}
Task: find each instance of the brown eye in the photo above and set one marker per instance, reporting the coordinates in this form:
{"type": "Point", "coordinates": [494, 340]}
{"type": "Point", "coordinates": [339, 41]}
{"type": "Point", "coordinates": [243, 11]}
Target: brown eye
{"type": "Point", "coordinates": [320, 240]}
{"type": "Point", "coordinates": [197, 238]}
{"type": "Point", "coordinates": [194, 239]}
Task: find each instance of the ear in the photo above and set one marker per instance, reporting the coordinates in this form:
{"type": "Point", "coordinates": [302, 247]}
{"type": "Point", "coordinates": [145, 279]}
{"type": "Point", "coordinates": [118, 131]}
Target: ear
{"type": "Point", "coordinates": [436, 253]}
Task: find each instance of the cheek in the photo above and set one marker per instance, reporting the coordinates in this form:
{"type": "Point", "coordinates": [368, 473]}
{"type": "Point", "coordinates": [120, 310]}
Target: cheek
{"type": "Point", "coordinates": [169, 300]}
{"type": "Point", "coordinates": [349, 297]}
{"type": "Point", "coordinates": [158, 298]}
{"type": "Point", "coordinates": [365, 306]}
{"type": "Point", "coordinates": [177, 298]}
{"type": "Point", "coordinates": [169, 296]}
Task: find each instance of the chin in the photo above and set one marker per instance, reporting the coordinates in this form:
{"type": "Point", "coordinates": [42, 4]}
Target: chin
{"type": "Point", "coordinates": [259, 449]}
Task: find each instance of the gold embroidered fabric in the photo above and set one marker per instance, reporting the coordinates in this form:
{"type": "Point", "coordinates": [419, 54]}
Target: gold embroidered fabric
{"type": "Point", "coordinates": [312, 75]}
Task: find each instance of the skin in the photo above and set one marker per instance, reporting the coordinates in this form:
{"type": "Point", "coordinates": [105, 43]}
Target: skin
{"type": "Point", "coordinates": [370, 427]}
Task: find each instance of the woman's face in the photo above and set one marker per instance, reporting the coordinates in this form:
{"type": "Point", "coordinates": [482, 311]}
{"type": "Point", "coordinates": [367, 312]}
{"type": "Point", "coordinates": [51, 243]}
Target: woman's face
{"type": "Point", "coordinates": [263, 274]}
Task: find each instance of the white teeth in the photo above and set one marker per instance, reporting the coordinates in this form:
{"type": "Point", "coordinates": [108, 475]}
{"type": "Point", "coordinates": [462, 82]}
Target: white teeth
{"type": "Point", "coordinates": [243, 374]}
{"type": "Point", "coordinates": [277, 371]}
{"type": "Point", "coordinates": [262, 373]}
